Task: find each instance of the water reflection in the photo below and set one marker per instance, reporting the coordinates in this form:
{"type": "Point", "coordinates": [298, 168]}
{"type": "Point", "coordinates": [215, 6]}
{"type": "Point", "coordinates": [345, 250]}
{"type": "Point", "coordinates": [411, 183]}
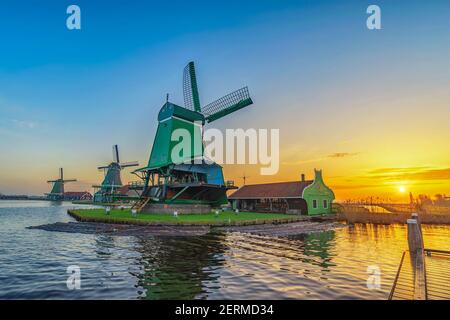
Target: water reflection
{"type": "Point", "coordinates": [318, 245]}
{"type": "Point", "coordinates": [330, 265]}
{"type": "Point", "coordinates": [176, 268]}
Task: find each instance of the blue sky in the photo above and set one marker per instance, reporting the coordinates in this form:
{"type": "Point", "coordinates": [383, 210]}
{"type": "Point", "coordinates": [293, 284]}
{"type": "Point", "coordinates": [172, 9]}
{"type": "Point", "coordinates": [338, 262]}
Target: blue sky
{"type": "Point", "coordinates": [67, 96]}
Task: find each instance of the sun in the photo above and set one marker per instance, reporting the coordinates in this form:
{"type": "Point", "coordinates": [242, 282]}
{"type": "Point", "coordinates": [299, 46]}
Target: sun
{"type": "Point", "coordinates": [402, 189]}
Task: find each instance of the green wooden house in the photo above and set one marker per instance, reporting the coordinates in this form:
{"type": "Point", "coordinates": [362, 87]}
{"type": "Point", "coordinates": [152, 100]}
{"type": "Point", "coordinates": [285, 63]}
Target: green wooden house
{"type": "Point", "coordinates": [318, 196]}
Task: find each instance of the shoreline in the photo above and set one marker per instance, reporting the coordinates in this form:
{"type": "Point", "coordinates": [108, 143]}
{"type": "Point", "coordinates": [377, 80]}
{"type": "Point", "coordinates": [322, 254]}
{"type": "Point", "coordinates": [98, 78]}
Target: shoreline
{"type": "Point", "coordinates": [392, 218]}
{"type": "Point", "coordinates": [139, 228]}
{"type": "Point", "coordinates": [135, 221]}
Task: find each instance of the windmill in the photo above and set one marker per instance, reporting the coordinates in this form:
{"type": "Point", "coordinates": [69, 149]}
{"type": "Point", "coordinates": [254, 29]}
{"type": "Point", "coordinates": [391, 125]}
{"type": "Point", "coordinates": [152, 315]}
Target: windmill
{"type": "Point", "coordinates": [112, 181]}
{"type": "Point", "coordinates": [57, 192]}
{"type": "Point", "coordinates": [192, 181]}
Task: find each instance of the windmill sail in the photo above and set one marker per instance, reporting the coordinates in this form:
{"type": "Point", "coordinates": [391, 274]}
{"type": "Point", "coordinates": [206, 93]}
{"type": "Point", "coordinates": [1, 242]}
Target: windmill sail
{"type": "Point", "coordinates": [190, 89]}
{"type": "Point", "coordinates": [129, 164]}
{"type": "Point", "coordinates": [230, 103]}
{"type": "Point", "coordinates": [116, 153]}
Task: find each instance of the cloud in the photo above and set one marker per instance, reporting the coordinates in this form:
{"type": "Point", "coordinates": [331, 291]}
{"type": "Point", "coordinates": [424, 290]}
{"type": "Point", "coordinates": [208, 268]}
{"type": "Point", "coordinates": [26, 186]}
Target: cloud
{"type": "Point", "coordinates": [398, 170]}
{"type": "Point", "coordinates": [24, 124]}
{"type": "Point", "coordinates": [333, 155]}
{"type": "Point", "coordinates": [411, 173]}
{"type": "Point", "coordinates": [342, 154]}
{"type": "Point", "coordinates": [354, 186]}
{"type": "Point", "coordinates": [294, 163]}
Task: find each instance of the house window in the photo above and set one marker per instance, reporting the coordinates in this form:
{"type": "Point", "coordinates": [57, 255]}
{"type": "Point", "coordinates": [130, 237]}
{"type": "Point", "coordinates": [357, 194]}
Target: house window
{"type": "Point", "coordinates": [325, 204]}
{"type": "Point", "coordinates": [314, 204]}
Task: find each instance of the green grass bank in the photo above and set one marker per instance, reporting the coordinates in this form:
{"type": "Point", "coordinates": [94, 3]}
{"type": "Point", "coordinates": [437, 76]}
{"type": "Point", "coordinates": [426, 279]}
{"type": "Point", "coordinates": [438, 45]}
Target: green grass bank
{"type": "Point", "coordinates": [225, 218]}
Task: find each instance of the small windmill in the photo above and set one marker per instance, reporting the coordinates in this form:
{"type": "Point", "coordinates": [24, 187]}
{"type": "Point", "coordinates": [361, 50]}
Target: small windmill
{"type": "Point", "coordinates": [57, 192]}
{"type": "Point", "coordinates": [187, 181]}
{"type": "Point", "coordinates": [112, 181]}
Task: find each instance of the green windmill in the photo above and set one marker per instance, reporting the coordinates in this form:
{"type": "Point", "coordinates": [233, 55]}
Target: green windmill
{"type": "Point", "coordinates": [108, 191]}
{"type": "Point", "coordinates": [188, 183]}
{"type": "Point", "coordinates": [57, 192]}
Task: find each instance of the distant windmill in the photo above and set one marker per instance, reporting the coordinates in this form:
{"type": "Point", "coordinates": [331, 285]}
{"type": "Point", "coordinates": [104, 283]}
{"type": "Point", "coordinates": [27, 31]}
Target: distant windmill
{"type": "Point", "coordinates": [57, 193]}
{"type": "Point", "coordinates": [112, 180]}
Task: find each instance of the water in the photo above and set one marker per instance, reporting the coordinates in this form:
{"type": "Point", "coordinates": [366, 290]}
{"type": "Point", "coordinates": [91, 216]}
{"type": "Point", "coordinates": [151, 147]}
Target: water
{"type": "Point", "coordinates": [327, 265]}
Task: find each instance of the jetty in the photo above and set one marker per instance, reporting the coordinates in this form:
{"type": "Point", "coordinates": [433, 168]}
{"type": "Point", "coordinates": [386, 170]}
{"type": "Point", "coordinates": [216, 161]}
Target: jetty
{"type": "Point", "coordinates": [423, 273]}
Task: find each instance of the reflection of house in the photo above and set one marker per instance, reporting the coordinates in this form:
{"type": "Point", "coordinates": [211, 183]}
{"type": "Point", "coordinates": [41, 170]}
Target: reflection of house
{"type": "Point", "coordinates": [74, 196]}
{"type": "Point", "coordinates": [304, 197]}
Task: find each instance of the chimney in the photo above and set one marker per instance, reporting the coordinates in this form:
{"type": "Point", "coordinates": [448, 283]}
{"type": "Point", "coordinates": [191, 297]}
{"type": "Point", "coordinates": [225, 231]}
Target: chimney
{"type": "Point", "coordinates": [303, 177]}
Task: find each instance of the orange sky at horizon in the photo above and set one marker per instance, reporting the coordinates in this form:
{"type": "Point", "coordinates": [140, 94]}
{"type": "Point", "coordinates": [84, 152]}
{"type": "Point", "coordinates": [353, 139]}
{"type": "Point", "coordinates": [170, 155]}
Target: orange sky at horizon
{"type": "Point", "coordinates": [367, 166]}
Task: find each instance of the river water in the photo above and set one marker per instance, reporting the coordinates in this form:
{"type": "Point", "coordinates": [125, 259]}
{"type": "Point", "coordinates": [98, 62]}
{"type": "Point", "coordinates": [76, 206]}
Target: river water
{"type": "Point", "coordinates": [327, 265]}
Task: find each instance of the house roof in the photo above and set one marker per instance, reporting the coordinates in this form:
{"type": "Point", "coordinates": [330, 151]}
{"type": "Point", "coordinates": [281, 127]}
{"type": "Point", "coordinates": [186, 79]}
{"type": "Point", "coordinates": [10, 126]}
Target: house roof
{"type": "Point", "coordinates": [293, 189]}
{"type": "Point", "coordinates": [124, 189]}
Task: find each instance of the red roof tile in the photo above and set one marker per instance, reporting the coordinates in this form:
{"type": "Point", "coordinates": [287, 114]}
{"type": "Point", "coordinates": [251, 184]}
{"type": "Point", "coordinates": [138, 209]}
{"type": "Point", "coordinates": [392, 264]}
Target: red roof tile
{"type": "Point", "coordinates": [292, 189]}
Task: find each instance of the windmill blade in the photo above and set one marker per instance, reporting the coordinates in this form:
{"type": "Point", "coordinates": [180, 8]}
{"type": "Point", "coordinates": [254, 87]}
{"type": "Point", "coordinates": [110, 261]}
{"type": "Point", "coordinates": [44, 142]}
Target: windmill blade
{"type": "Point", "coordinates": [116, 153]}
{"type": "Point", "coordinates": [69, 180]}
{"type": "Point", "coordinates": [103, 167]}
{"type": "Point", "coordinates": [228, 104]}
{"type": "Point", "coordinates": [129, 164]}
{"type": "Point", "coordinates": [190, 89]}
{"type": "Point", "coordinates": [61, 173]}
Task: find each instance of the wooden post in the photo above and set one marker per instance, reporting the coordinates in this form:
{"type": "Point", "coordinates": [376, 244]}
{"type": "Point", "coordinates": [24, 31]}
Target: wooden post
{"type": "Point", "coordinates": [415, 243]}
{"type": "Point", "coordinates": [416, 217]}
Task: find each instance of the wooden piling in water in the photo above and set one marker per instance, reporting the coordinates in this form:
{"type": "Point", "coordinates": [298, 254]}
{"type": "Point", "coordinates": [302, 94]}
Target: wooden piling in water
{"type": "Point", "coordinates": [427, 275]}
{"type": "Point", "coordinates": [416, 217]}
{"type": "Point", "coordinates": [416, 250]}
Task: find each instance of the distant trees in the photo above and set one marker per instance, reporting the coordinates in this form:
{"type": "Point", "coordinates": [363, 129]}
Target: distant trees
{"type": "Point", "coordinates": [439, 200]}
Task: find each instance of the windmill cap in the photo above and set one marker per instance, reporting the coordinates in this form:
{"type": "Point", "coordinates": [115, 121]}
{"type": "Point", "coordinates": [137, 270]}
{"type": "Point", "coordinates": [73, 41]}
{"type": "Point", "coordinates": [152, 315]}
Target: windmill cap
{"type": "Point", "coordinates": [169, 110]}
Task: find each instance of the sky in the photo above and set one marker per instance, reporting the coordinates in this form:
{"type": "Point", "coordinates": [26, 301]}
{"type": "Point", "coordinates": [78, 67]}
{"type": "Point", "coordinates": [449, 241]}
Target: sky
{"type": "Point", "coordinates": [369, 107]}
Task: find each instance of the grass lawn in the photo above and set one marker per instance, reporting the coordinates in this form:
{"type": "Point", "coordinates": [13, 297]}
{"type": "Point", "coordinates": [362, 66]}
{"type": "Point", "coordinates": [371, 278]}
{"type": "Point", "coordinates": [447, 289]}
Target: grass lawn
{"type": "Point", "coordinates": [227, 217]}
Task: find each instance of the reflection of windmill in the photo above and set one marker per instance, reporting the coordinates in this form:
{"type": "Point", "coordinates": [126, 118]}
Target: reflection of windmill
{"type": "Point", "coordinates": [183, 180]}
{"type": "Point", "coordinates": [57, 193]}
{"type": "Point", "coordinates": [112, 181]}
